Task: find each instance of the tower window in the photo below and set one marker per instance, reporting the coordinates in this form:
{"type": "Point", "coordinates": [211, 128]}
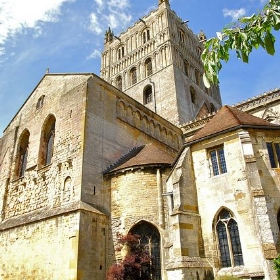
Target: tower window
{"type": "Point", "coordinates": [182, 36]}
{"type": "Point", "coordinates": [148, 67]}
{"type": "Point", "coordinates": [193, 95]}
{"type": "Point", "coordinates": [187, 68]}
{"type": "Point", "coordinates": [229, 241]}
{"type": "Point", "coordinates": [119, 82]}
{"type": "Point", "coordinates": [148, 95]}
{"type": "Point", "coordinates": [121, 52]}
{"type": "Point", "coordinates": [133, 76]}
{"type": "Point", "coordinates": [212, 108]}
{"type": "Point", "coordinates": [197, 78]}
{"type": "Point", "coordinates": [146, 36]}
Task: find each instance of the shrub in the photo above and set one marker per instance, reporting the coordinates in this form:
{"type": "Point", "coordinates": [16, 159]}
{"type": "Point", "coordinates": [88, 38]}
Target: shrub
{"type": "Point", "coordinates": [135, 264]}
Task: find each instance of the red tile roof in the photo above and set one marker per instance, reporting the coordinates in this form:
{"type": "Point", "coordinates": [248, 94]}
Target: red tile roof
{"type": "Point", "coordinates": [148, 155]}
{"type": "Point", "coordinates": [228, 118]}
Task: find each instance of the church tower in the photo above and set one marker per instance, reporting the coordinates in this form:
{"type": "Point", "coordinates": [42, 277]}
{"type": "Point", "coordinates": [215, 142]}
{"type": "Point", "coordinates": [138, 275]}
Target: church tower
{"type": "Point", "coordinates": [157, 62]}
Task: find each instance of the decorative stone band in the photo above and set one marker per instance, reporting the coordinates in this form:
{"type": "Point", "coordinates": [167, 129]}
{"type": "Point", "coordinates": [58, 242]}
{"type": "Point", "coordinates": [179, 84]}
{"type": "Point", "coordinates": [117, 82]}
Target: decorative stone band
{"type": "Point", "coordinates": [263, 99]}
{"type": "Point", "coordinates": [147, 124]}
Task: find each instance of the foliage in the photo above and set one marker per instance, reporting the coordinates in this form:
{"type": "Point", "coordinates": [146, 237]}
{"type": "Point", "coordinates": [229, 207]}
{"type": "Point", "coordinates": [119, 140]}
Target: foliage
{"type": "Point", "coordinates": [276, 263]}
{"type": "Point", "coordinates": [135, 265]}
{"type": "Point", "coordinates": [227, 277]}
{"type": "Point", "coordinates": [243, 36]}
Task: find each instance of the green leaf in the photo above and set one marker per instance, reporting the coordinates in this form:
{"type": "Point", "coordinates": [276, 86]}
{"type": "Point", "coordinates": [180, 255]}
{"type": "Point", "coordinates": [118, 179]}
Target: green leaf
{"type": "Point", "coordinates": [206, 81]}
{"type": "Point", "coordinates": [269, 43]}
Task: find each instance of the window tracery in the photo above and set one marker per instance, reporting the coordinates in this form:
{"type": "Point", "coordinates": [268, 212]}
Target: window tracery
{"type": "Point", "coordinates": [229, 240]}
{"type": "Point", "coordinates": [150, 238]}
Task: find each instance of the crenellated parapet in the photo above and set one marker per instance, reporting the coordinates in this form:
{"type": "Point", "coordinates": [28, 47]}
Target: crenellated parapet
{"type": "Point", "coordinates": [147, 124]}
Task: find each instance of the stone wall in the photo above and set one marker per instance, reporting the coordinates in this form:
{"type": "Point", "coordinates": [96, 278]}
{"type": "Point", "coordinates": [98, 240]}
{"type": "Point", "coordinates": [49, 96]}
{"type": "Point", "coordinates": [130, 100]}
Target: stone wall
{"type": "Point", "coordinates": [235, 191]}
{"type": "Point", "coordinates": [37, 250]}
{"type": "Point", "coordinates": [111, 131]}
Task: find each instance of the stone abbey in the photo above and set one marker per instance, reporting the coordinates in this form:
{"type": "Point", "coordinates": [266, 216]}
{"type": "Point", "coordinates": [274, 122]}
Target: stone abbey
{"type": "Point", "coordinates": [144, 149]}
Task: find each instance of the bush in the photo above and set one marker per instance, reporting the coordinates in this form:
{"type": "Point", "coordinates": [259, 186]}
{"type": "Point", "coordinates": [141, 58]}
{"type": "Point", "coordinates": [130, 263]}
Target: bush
{"type": "Point", "coordinates": [135, 264]}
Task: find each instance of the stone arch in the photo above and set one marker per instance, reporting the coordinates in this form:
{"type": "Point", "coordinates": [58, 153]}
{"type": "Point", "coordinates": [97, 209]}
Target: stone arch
{"type": "Point", "coordinates": [121, 109]}
{"type": "Point", "coordinates": [150, 237]}
{"type": "Point", "coordinates": [137, 119]}
{"type": "Point", "coordinates": [129, 114]}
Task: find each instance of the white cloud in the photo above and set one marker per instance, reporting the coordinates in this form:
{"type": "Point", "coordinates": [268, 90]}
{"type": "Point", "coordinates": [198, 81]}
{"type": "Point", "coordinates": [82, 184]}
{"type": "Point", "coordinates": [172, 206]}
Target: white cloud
{"type": "Point", "coordinates": [16, 15]}
{"type": "Point", "coordinates": [100, 5]}
{"type": "Point", "coordinates": [234, 14]}
{"type": "Point", "coordinates": [94, 54]}
{"type": "Point", "coordinates": [114, 14]}
{"type": "Point", "coordinates": [119, 4]}
{"type": "Point", "coordinates": [95, 24]}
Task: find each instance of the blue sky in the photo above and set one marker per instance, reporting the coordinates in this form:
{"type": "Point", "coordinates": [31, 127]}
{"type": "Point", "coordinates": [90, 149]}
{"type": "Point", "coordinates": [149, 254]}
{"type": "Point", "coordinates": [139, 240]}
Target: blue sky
{"type": "Point", "coordinates": [66, 36]}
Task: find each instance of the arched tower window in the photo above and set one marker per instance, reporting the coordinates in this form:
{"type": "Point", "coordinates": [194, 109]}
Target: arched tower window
{"type": "Point", "coordinates": [148, 95]}
{"type": "Point", "coordinates": [133, 76]}
{"type": "Point", "coordinates": [193, 95]}
{"type": "Point", "coordinates": [146, 36]}
{"type": "Point", "coordinates": [212, 108]}
{"type": "Point", "coordinates": [121, 52]}
{"type": "Point", "coordinates": [47, 141]}
{"type": "Point", "coordinates": [182, 36]}
{"type": "Point", "coordinates": [197, 77]}
{"type": "Point", "coordinates": [22, 154]}
{"type": "Point", "coordinates": [148, 67]}
{"type": "Point", "coordinates": [150, 237]}
{"type": "Point", "coordinates": [119, 82]}
{"type": "Point", "coordinates": [229, 241]}
{"type": "Point", "coordinates": [186, 68]}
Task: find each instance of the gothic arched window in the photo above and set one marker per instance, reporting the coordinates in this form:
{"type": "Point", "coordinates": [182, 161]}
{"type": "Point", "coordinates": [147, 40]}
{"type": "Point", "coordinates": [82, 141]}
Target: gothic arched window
{"type": "Point", "coordinates": [150, 237]}
{"type": "Point", "coordinates": [133, 76]}
{"type": "Point", "coordinates": [229, 241]}
{"type": "Point", "coordinates": [148, 67]}
{"type": "Point", "coordinates": [22, 154]}
{"type": "Point", "coordinates": [148, 95]}
{"type": "Point", "coordinates": [47, 141]}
